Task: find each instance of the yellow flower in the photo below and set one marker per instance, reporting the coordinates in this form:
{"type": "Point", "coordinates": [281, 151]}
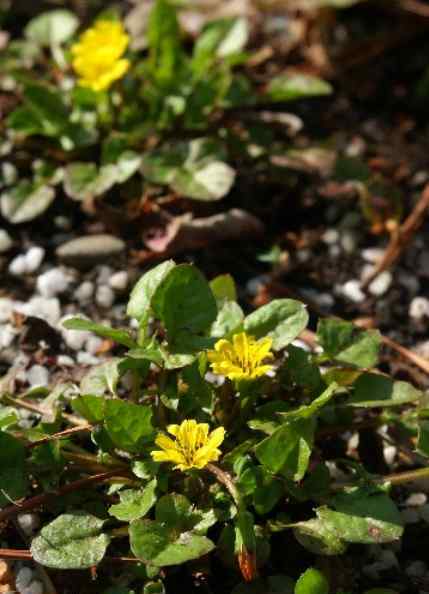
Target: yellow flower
{"type": "Point", "coordinates": [194, 446]}
{"type": "Point", "coordinates": [97, 55]}
{"type": "Point", "coordinates": [242, 357]}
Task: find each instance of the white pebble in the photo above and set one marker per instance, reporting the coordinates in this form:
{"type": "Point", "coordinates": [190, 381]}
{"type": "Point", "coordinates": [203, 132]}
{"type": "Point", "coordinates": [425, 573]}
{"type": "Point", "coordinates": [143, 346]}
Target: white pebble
{"type": "Point", "coordinates": [28, 523]}
{"type": "Point", "coordinates": [390, 452]}
{"type": "Point", "coordinates": [372, 255]}
{"type": "Point", "coordinates": [84, 358]}
{"type": "Point", "coordinates": [7, 334]}
{"type": "Point", "coordinates": [381, 283]}
{"type": "Point", "coordinates": [419, 308]}
{"type": "Point", "coordinates": [5, 241]}
{"type": "Point", "coordinates": [53, 282]}
{"type": "Point", "coordinates": [119, 280]}
{"type": "Point", "coordinates": [6, 308]}
{"type": "Point", "coordinates": [349, 241]}
{"type": "Point", "coordinates": [35, 587]}
{"type": "Point", "coordinates": [42, 307]}
{"type": "Point", "coordinates": [24, 576]}
{"type": "Point", "coordinates": [330, 236]}
{"type": "Point", "coordinates": [34, 258]}
{"type": "Point", "coordinates": [104, 275]}
{"type": "Point", "coordinates": [93, 344]}
{"type": "Point", "coordinates": [334, 251]}
{"type": "Point", "coordinates": [75, 339]}
{"type": "Point", "coordinates": [65, 361]}
{"type": "Point", "coordinates": [416, 500]}
{"type": "Point", "coordinates": [303, 255]}
{"type": "Point", "coordinates": [28, 262]}
{"type": "Point", "coordinates": [352, 291]}
{"type": "Point", "coordinates": [104, 296]}
{"type": "Point", "coordinates": [84, 292]}
{"type": "Point", "coordinates": [38, 375]}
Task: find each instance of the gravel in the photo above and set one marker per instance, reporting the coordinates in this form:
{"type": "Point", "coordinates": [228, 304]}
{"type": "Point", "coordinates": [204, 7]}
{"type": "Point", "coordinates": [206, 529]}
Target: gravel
{"type": "Point", "coordinates": [7, 334]}
{"type": "Point", "coordinates": [86, 251]}
{"type": "Point", "coordinates": [6, 241]}
{"type": "Point", "coordinates": [372, 255]}
{"type": "Point", "coordinates": [352, 290]}
{"type": "Point", "coordinates": [28, 262]}
{"type": "Point", "coordinates": [381, 284]}
{"type": "Point", "coordinates": [28, 522]}
{"type": "Point", "coordinates": [53, 282]}
{"type": "Point", "coordinates": [24, 575]}
{"type": "Point", "coordinates": [84, 291]}
{"type": "Point", "coordinates": [119, 280]}
{"type": "Point", "coordinates": [38, 375]}
{"type": "Point", "coordinates": [419, 308]}
{"type": "Point", "coordinates": [6, 308]}
{"type": "Point", "coordinates": [104, 296]}
{"type": "Point", "coordinates": [42, 307]}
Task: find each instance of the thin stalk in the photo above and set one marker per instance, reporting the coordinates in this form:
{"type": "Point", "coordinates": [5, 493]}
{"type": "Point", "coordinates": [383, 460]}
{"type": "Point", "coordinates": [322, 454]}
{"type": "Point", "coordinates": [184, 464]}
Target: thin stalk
{"type": "Point", "coordinates": [225, 479]}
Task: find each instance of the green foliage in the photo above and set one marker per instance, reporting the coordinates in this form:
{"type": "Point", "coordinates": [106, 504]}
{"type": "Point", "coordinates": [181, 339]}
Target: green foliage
{"type": "Point", "coordinates": [312, 581]}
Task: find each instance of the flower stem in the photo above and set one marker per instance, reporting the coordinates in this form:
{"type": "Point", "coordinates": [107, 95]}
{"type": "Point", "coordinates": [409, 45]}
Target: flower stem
{"type": "Point", "coordinates": [225, 479]}
{"type": "Point", "coordinates": [405, 477]}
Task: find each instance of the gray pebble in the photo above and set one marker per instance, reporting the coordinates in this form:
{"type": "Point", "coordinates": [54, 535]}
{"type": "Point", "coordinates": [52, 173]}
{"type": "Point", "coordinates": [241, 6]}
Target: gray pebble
{"type": "Point", "coordinates": [104, 296]}
{"type": "Point", "coordinates": [416, 500]}
{"type": "Point", "coordinates": [119, 280]}
{"type": "Point", "coordinates": [419, 308]}
{"type": "Point", "coordinates": [5, 241]}
{"type": "Point", "coordinates": [84, 252]}
{"type": "Point", "coordinates": [84, 292]}
{"type": "Point", "coordinates": [381, 283]}
{"type": "Point", "coordinates": [53, 282]}
{"type": "Point", "coordinates": [38, 375]}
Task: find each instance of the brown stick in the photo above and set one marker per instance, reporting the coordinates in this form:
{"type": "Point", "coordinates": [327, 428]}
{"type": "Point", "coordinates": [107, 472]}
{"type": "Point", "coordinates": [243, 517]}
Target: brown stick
{"type": "Point", "coordinates": [415, 7]}
{"type": "Point", "coordinates": [401, 238]}
{"type": "Point", "coordinates": [60, 435]}
{"type": "Point", "coordinates": [39, 500]}
{"type": "Point", "coordinates": [26, 555]}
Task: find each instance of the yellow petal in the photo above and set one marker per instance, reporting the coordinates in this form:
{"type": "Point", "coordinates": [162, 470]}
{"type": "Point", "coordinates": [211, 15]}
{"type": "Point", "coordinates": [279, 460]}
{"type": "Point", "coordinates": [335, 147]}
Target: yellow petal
{"type": "Point", "coordinates": [165, 442]}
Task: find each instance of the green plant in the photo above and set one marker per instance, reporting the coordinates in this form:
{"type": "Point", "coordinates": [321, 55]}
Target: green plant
{"type": "Point", "coordinates": [194, 495]}
{"type": "Point", "coordinates": [123, 117]}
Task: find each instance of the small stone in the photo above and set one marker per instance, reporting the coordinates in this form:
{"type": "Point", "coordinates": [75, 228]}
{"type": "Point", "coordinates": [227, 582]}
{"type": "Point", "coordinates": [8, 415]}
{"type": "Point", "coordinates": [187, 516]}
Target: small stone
{"type": "Point", "coordinates": [5, 241]}
{"type": "Point", "coordinates": [7, 334]}
{"type": "Point", "coordinates": [84, 252]}
{"type": "Point", "coordinates": [84, 292]}
{"type": "Point", "coordinates": [372, 255]}
{"type": "Point", "coordinates": [104, 274]}
{"type": "Point", "coordinates": [352, 291]}
{"type": "Point", "coordinates": [419, 308]}
{"type": "Point", "coordinates": [63, 223]}
{"type": "Point", "coordinates": [34, 258]}
{"type": "Point", "coordinates": [42, 307]}
{"type": "Point", "coordinates": [65, 361]}
{"type": "Point", "coordinates": [53, 282]}
{"type": "Point", "coordinates": [390, 452]}
{"type": "Point", "coordinates": [104, 296]}
{"type": "Point", "coordinates": [330, 236]}
{"type": "Point", "coordinates": [381, 283]}
{"type": "Point", "coordinates": [334, 251]}
{"type": "Point", "coordinates": [419, 178]}
{"type": "Point", "coordinates": [24, 575]}
{"type": "Point", "coordinates": [255, 284]}
{"type": "Point", "coordinates": [6, 308]}
{"type": "Point", "coordinates": [84, 358]}
{"type": "Point", "coordinates": [93, 344]}
{"type": "Point", "coordinates": [119, 280]}
{"type": "Point", "coordinates": [416, 500]}
{"type": "Point", "coordinates": [349, 241]}
{"type": "Point", "coordinates": [38, 376]}
{"type": "Point", "coordinates": [27, 263]}
{"type": "Point", "coordinates": [28, 522]}
{"type": "Point", "coordinates": [74, 339]}
{"type": "Point", "coordinates": [35, 587]}
{"type": "Point", "coordinates": [416, 569]}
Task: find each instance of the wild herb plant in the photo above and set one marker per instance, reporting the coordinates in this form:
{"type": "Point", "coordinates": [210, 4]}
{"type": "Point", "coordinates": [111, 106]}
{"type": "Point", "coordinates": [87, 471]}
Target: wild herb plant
{"type": "Point", "coordinates": [88, 114]}
{"type": "Point", "coordinates": [205, 439]}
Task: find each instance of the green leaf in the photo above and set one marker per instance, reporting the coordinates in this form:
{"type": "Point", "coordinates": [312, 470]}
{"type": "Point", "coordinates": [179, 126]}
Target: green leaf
{"type": "Point", "coordinates": [307, 411]}
{"type": "Point", "coordinates": [288, 449]}
{"type": "Point", "coordinates": [220, 39]}
{"type": "Point", "coordinates": [422, 445]}
{"type": "Point", "coordinates": [300, 370]}
{"type": "Point", "coordinates": [120, 336]}
{"type": "Point", "coordinates": [101, 378]}
{"type": "Point", "coordinates": [184, 302]}
{"type": "Point", "coordinates": [90, 407]}
{"type": "Point", "coordinates": [319, 538]}
{"type": "Point", "coordinates": [13, 474]}
{"type": "Point", "coordinates": [83, 181]}
{"type": "Point", "coordinates": [282, 319]}
{"type": "Point", "coordinates": [363, 516]}
{"type": "Point", "coordinates": [25, 201]}
{"type": "Point", "coordinates": [8, 417]}
{"type": "Point", "coordinates": [264, 488]}
{"type": "Point", "coordinates": [135, 503]}
{"type": "Point", "coordinates": [141, 296]}
{"type": "Point", "coordinates": [72, 541]}
{"type": "Point", "coordinates": [52, 28]}
{"type": "Point", "coordinates": [170, 539]}
{"type": "Point", "coordinates": [229, 319]}
{"type": "Point", "coordinates": [372, 390]}
{"type": "Point", "coordinates": [128, 425]}
{"type": "Point", "coordinates": [194, 169]}
{"type": "Point", "coordinates": [223, 288]}
{"type": "Point", "coordinates": [312, 581]}
{"type": "Point", "coordinates": [163, 35]}
{"type": "Point", "coordinates": [346, 343]}
{"type": "Point", "coordinates": [289, 87]}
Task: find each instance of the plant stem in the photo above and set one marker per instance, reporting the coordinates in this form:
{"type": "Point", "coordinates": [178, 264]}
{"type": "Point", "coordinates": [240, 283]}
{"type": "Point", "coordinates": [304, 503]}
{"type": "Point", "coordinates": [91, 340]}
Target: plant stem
{"type": "Point", "coordinates": [61, 435]}
{"type": "Point", "coordinates": [25, 554]}
{"type": "Point", "coordinates": [39, 500]}
{"type": "Point", "coordinates": [405, 477]}
{"type": "Point", "coordinates": [225, 479]}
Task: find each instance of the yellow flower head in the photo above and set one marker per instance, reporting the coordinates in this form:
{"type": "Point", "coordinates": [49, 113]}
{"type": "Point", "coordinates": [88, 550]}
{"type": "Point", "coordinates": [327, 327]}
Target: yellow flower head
{"type": "Point", "coordinates": [241, 358]}
{"type": "Point", "coordinates": [194, 446]}
{"type": "Point", "coordinates": [97, 55]}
